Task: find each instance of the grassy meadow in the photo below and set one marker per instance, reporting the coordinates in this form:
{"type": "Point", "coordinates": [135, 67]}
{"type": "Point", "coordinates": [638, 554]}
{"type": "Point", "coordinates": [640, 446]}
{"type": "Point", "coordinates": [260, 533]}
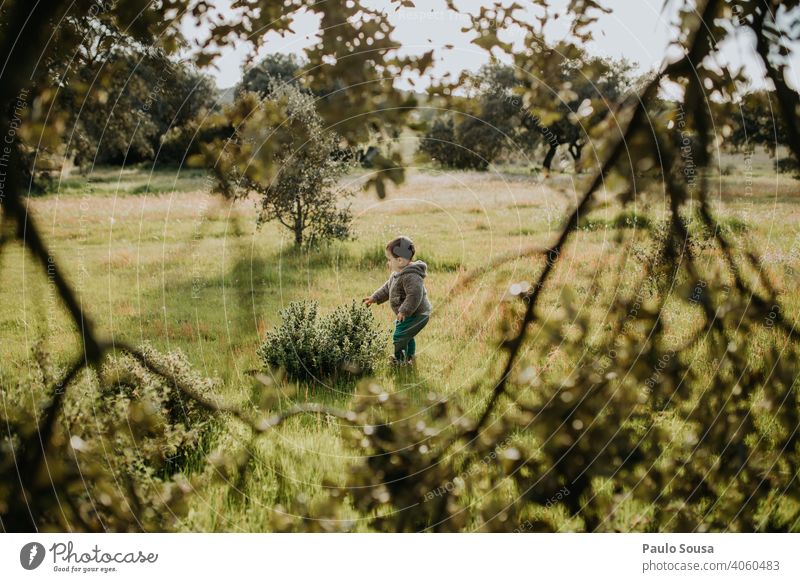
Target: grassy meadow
{"type": "Point", "coordinates": [157, 257]}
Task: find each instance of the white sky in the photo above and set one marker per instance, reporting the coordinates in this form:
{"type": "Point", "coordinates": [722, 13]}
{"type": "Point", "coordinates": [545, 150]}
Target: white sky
{"type": "Point", "coordinates": [636, 30]}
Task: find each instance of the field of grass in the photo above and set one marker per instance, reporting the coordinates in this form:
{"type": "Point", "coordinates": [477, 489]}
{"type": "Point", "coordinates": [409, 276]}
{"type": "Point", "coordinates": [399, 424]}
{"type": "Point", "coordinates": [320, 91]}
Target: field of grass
{"type": "Point", "coordinates": [159, 258]}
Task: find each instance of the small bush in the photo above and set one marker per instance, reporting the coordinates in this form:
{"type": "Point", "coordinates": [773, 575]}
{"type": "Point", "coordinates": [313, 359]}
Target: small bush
{"type": "Point", "coordinates": [347, 341]}
{"type": "Point", "coordinates": [294, 345]}
{"type": "Point", "coordinates": [350, 340]}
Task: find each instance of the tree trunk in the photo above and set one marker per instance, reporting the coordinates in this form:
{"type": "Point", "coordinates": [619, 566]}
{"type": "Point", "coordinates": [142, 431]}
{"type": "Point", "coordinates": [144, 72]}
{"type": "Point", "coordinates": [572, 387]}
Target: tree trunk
{"type": "Point", "coordinates": [298, 224]}
{"type": "Point", "coordinates": [548, 159]}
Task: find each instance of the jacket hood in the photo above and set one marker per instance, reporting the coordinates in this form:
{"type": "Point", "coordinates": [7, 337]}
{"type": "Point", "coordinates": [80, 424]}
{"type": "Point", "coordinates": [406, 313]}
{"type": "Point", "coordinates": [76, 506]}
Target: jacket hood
{"type": "Point", "coordinates": [417, 268]}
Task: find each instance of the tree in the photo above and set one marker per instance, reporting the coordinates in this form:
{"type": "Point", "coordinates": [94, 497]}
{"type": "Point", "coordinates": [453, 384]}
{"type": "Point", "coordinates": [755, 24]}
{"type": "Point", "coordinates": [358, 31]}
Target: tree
{"type": "Point", "coordinates": [143, 98]}
{"type": "Point", "coordinates": [112, 123]}
{"type": "Point", "coordinates": [119, 94]}
{"type": "Point", "coordinates": [476, 136]}
{"type": "Point", "coordinates": [440, 143]}
{"type": "Point", "coordinates": [503, 122]}
{"type": "Point", "coordinates": [573, 95]}
{"type": "Point", "coordinates": [273, 70]}
{"type": "Point", "coordinates": [757, 123]}
{"type": "Point", "coordinates": [304, 194]}
{"type": "Point", "coordinates": [488, 134]}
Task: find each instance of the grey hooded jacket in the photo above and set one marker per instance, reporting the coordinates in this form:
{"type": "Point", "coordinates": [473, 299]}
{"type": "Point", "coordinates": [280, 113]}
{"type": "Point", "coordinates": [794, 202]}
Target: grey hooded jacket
{"type": "Point", "coordinates": [405, 291]}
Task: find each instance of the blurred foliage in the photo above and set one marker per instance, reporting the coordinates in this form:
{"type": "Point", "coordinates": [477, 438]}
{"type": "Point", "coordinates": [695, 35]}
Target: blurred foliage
{"type": "Point", "coordinates": [121, 454]}
{"type": "Point", "coordinates": [116, 94]}
{"type": "Point", "coordinates": [642, 437]}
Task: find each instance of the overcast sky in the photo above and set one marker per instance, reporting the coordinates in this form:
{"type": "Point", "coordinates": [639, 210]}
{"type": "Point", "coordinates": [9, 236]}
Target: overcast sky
{"type": "Point", "coordinates": [636, 30]}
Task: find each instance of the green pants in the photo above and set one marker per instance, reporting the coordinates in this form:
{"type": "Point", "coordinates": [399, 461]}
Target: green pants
{"type": "Point", "coordinates": [403, 337]}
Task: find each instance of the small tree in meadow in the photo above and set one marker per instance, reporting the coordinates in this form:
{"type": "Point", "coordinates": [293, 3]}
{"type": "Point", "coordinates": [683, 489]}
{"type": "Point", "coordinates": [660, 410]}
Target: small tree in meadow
{"type": "Point", "coordinates": [304, 194]}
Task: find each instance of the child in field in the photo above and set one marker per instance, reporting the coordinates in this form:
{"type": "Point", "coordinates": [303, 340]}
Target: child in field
{"type": "Point", "coordinates": [407, 297]}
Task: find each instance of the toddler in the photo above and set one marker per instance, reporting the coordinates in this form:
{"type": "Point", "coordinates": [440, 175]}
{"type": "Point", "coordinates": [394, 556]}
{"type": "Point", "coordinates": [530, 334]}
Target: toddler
{"type": "Point", "coordinates": [407, 297]}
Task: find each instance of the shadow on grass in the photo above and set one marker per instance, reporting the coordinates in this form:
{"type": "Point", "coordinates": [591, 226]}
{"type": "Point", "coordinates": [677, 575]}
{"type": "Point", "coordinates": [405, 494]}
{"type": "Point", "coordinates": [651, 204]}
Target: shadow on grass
{"type": "Point", "coordinates": [235, 304]}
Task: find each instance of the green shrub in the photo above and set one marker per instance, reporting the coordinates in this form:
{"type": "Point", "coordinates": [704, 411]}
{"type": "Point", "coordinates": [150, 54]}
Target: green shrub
{"type": "Point", "coordinates": [347, 341]}
{"type": "Point", "coordinates": [350, 340]}
{"type": "Point", "coordinates": [294, 345]}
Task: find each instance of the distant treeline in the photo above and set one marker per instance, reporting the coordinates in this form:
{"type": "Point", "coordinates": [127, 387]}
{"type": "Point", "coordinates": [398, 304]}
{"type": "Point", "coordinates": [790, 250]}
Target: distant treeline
{"type": "Point", "coordinates": [127, 103]}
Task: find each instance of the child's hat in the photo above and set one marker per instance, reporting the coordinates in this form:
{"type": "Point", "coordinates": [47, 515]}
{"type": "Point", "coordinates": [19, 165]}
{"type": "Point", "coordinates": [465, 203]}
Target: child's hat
{"type": "Point", "coordinates": [402, 247]}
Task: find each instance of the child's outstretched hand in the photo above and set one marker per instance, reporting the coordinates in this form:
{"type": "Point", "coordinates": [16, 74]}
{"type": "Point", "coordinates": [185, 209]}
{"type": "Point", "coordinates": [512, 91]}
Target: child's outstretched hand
{"type": "Point", "coordinates": [368, 301]}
